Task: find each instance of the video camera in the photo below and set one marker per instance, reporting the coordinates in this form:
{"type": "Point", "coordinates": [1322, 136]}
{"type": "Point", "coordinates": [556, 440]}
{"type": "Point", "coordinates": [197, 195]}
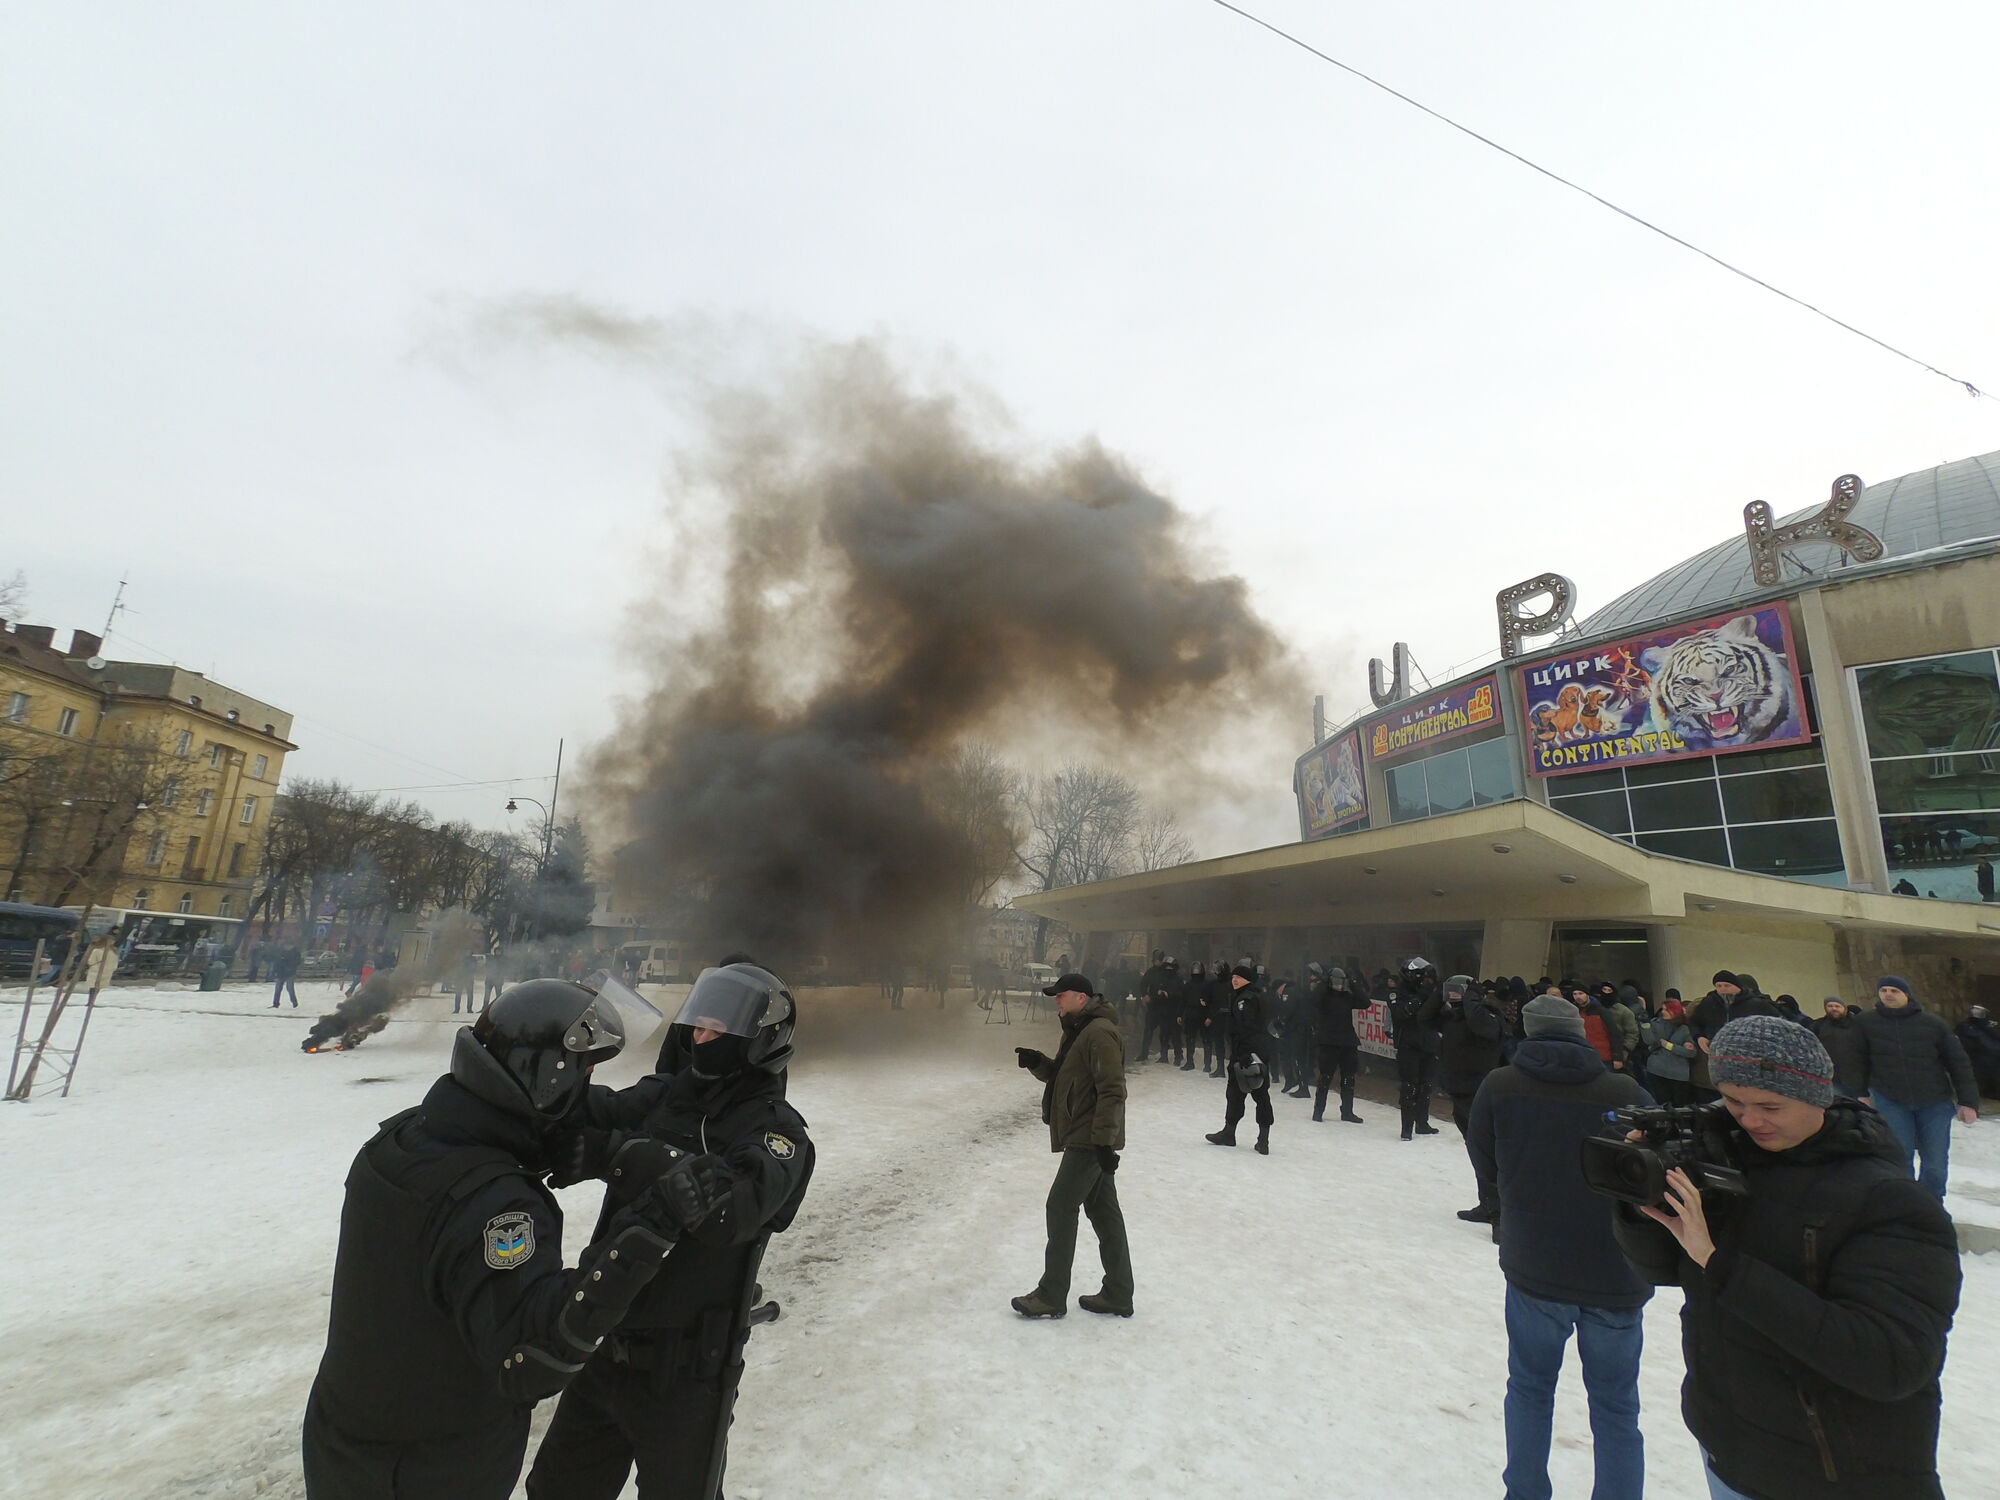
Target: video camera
{"type": "Point", "coordinates": [1698, 1139]}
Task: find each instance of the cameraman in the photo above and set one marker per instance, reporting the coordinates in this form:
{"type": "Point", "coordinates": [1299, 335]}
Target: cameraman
{"type": "Point", "coordinates": [1817, 1304]}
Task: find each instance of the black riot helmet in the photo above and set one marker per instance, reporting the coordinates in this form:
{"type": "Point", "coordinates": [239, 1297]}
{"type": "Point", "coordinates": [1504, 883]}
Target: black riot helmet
{"type": "Point", "coordinates": [531, 1053]}
{"type": "Point", "coordinates": [749, 1004]}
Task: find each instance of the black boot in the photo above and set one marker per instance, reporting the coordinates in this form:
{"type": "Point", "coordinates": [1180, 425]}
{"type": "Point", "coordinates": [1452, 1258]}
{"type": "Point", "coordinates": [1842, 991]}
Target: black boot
{"type": "Point", "coordinates": [1264, 1140]}
{"type": "Point", "coordinates": [1424, 1126]}
{"type": "Point", "coordinates": [1347, 1106]}
{"type": "Point", "coordinates": [1188, 1066]}
{"type": "Point", "coordinates": [1407, 1122]}
{"type": "Point", "coordinates": [1223, 1137]}
{"type": "Point", "coordinates": [1485, 1213]}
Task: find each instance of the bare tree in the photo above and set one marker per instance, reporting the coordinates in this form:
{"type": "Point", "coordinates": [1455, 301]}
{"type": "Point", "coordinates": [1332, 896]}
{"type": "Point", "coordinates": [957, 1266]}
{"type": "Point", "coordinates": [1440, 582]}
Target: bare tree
{"type": "Point", "coordinates": [1159, 844]}
{"type": "Point", "coordinates": [1081, 821]}
{"type": "Point", "coordinates": [13, 595]}
{"type": "Point", "coordinates": [68, 809]}
{"type": "Point", "coordinates": [976, 794]}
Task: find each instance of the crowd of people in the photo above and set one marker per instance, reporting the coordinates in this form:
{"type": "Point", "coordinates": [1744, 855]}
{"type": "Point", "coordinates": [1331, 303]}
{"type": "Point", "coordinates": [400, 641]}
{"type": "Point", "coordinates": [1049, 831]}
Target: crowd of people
{"type": "Point", "coordinates": [1800, 1208]}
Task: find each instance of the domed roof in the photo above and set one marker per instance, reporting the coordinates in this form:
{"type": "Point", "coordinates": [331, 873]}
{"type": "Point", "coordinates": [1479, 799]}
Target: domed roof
{"type": "Point", "coordinates": [1955, 502]}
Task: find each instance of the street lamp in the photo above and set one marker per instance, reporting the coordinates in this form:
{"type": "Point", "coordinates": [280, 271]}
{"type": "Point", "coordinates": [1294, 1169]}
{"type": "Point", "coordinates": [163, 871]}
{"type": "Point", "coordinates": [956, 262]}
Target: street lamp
{"type": "Point", "coordinates": [548, 810]}
{"type": "Point", "coordinates": [548, 823]}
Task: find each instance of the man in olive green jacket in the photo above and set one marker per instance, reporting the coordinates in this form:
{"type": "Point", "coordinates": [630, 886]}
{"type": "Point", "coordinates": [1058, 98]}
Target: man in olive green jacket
{"type": "Point", "coordinates": [1084, 1105]}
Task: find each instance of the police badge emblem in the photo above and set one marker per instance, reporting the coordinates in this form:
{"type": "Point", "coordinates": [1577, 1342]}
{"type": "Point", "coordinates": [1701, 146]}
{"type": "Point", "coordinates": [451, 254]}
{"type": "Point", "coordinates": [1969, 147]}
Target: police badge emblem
{"type": "Point", "coordinates": [779, 1146]}
{"type": "Point", "coordinates": [510, 1240]}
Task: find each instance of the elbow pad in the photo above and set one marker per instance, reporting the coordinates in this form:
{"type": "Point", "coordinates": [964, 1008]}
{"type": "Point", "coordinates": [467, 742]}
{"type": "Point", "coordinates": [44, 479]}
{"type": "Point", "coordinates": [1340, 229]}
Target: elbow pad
{"type": "Point", "coordinates": [595, 1298]}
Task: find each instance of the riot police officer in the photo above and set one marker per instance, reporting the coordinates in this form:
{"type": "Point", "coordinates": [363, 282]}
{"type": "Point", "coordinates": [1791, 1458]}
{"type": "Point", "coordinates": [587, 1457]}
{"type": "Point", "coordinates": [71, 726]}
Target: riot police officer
{"type": "Point", "coordinates": [1339, 1044]}
{"type": "Point", "coordinates": [659, 1393]}
{"type": "Point", "coordinates": [1413, 1014]}
{"type": "Point", "coordinates": [1164, 999]}
{"type": "Point", "coordinates": [452, 1313]}
{"type": "Point", "coordinates": [1250, 1052]}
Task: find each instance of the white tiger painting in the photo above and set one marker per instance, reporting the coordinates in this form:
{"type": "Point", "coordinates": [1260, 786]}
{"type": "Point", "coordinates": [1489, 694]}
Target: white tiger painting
{"type": "Point", "coordinates": [1722, 688]}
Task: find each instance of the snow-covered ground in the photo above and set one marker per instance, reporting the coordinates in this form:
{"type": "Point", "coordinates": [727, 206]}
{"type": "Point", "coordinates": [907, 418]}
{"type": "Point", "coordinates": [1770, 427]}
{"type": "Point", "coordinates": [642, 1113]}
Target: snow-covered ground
{"type": "Point", "coordinates": [1315, 1323]}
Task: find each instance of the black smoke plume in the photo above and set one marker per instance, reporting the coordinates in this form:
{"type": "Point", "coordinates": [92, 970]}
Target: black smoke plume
{"type": "Point", "coordinates": [453, 935]}
{"type": "Point", "coordinates": [865, 571]}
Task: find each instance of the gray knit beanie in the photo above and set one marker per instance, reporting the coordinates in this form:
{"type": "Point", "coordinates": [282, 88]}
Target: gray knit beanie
{"type": "Point", "coordinates": [1774, 1054]}
{"type": "Point", "coordinates": [1546, 1014]}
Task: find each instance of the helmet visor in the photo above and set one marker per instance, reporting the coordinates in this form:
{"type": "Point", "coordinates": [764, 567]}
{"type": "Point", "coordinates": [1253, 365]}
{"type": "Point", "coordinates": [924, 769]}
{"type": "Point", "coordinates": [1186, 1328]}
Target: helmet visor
{"type": "Point", "coordinates": [737, 1000]}
{"type": "Point", "coordinates": [617, 1014]}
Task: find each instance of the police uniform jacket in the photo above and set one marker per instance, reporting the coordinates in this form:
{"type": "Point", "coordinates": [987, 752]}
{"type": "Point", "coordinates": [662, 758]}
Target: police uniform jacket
{"type": "Point", "coordinates": [450, 1259]}
{"type": "Point", "coordinates": [1250, 1023]}
{"type": "Point", "coordinates": [765, 1159]}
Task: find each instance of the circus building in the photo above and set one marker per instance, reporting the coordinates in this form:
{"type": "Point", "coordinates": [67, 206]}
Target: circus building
{"type": "Point", "coordinates": [1781, 755]}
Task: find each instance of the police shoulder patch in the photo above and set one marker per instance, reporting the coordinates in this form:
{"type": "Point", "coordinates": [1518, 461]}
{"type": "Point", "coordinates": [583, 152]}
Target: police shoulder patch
{"type": "Point", "coordinates": [510, 1240]}
{"type": "Point", "coordinates": [779, 1146]}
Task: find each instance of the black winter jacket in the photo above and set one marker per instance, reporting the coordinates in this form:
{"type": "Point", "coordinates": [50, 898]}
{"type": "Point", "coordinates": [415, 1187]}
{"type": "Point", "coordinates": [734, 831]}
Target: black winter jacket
{"type": "Point", "coordinates": [1335, 1016]}
{"type": "Point", "coordinates": [1525, 1137]}
{"type": "Point", "coordinates": [1712, 1012]}
{"type": "Point", "coordinates": [1914, 1058]}
{"type": "Point", "coordinates": [1815, 1334]}
{"type": "Point", "coordinates": [765, 1159]}
{"type": "Point", "coordinates": [1249, 1021]}
{"type": "Point", "coordinates": [1848, 1048]}
{"type": "Point", "coordinates": [1413, 1015]}
{"type": "Point", "coordinates": [1469, 1044]}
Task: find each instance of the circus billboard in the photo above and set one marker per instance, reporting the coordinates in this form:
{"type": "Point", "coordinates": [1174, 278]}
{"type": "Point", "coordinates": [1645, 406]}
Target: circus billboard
{"type": "Point", "coordinates": [1332, 792]}
{"type": "Point", "coordinates": [1710, 687]}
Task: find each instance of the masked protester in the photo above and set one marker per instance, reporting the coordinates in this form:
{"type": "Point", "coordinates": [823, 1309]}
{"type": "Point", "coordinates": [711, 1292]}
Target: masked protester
{"type": "Point", "coordinates": [1413, 1014]}
{"type": "Point", "coordinates": [660, 1391]}
{"type": "Point", "coordinates": [1250, 1053]}
{"type": "Point", "coordinates": [452, 1312]}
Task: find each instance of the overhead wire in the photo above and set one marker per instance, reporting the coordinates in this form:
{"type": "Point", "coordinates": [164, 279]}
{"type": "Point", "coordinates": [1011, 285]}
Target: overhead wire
{"type": "Point", "coordinates": [1625, 213]}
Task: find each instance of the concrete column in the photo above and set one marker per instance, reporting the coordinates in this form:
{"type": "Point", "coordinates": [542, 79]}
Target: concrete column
{"type": "Point", "coordinates": [1846, 751]}
{"type": "Point", "coordinates": [1663, 943]}
{"type": "Point", "coordinates": [1516, 945]}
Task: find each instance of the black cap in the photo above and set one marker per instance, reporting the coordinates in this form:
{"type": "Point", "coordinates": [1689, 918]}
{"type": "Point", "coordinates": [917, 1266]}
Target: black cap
{"type": "Point", "coordinates": [1070, 982]}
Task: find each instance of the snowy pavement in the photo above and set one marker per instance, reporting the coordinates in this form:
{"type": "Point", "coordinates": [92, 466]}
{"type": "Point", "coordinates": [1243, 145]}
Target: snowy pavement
{"type": "Point", "coordinates": [1315, 1323]}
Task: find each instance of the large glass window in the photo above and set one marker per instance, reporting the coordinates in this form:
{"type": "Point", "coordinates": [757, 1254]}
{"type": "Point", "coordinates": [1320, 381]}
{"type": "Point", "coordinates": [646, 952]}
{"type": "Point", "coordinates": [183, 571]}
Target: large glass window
{"type": "Point", "coordinates": [1492, 772]}
{"type": "Point", "coordinates": [1450, 780]}
{"type": "Point", "coordinates": [1933, 728]}
{"type": "Point", "coordinates": [1768, 811]}
{"type": "Point", "coordinates": [1407, 797]}
{"type": "Point", "coordinates": [1453, 781]}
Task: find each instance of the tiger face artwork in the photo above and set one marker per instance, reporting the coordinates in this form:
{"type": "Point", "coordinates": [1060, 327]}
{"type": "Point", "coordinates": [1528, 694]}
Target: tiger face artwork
{"type": "Point", "coordinates": [1722, 688]}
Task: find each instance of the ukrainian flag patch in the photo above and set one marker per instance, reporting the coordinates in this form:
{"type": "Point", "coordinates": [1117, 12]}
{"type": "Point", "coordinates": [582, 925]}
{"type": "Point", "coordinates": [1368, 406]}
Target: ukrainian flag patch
{"type": "Point", "coordinates": [510, 1240]}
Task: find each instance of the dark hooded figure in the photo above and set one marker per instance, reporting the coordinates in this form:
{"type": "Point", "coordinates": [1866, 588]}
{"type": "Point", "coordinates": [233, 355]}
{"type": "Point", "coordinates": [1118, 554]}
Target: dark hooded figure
{"type": "Point", "coordinates": [1338, 1045]}
{"type": "Point", "coordinates": [1413, 1013]}
{"type": "Point", "coordinates": [1469, 1049]}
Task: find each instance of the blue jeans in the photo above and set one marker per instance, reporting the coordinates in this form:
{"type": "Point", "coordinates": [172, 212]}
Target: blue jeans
{"type": "Point", "coordinates": [1717, 1490]}
{"type": "Point", "coordinates": [1608, 1340]}
{"type": "Point", "coordinates": [1923, 1130]}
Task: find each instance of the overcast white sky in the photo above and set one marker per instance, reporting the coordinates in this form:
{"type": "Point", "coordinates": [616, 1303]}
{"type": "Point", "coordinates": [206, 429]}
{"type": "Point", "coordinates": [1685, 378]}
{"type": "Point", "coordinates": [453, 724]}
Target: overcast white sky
{"type": "Point", "coordinates": [1392, 370]}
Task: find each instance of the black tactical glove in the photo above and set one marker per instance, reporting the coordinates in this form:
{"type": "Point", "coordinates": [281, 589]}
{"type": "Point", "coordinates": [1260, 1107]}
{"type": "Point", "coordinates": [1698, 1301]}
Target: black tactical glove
{"type": "Point", "coordinates": [680, 1197]}
{"type": "Point", "coordinates": [579, 1155]}
{"type": "Point", "coordinates": [1107, 1160]}
{"type": "Point", "coordinates": [1028, 1057]}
